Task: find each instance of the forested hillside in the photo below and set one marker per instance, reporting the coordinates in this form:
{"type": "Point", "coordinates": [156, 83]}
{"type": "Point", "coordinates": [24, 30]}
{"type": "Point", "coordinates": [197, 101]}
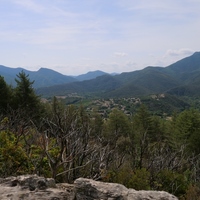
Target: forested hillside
{"type": "Point", "coordinates": [141, 151]}
{"type": "Point", "coordinates": [43, 77]}
{"type": "Point", "coordinates": [181, 78]}
{"type": "Point", "coordinates": [90, 75]}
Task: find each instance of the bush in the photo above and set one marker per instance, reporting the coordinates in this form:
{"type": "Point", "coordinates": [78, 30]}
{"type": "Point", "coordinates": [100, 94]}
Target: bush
{"type": "Point", "coordinates": [192, 193]}
{"type": "Point", "coordinates": [137, 179]}
{"type": "Point", "coordinates": [172, 182]}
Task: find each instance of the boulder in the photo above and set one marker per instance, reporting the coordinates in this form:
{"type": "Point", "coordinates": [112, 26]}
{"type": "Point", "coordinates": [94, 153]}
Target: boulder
{"type": "Point", "coordinates": [87, 189]}
{"type": "Point", "coordinates": [150, 195]}
{"type": "Point", "coordinates": [33, 187]}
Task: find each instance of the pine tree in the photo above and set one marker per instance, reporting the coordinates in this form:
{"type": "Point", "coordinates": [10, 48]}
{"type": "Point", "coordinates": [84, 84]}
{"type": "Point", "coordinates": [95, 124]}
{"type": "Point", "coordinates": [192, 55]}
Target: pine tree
{"type": "Point", "coordinates": [5, 95]}
{"type": "Point", "coordinates": [25, 97]}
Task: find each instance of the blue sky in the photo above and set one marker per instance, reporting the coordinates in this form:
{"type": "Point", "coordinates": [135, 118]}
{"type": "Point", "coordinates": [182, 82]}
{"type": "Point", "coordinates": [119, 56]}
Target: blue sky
{"type": "Point", "coordinates": [77, 36]}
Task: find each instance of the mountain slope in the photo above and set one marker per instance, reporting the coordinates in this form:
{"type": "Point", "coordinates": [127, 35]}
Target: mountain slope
{"type": "Point", "coordinates": [9, 74]}
{"type": "Point", "coordinates": [90, 75]}
{"type": "Point", "coordinates": [180, 78]}
{"type": "Point", "coordinates": [147, 81]}
{"type": "Point", "coordinates": [42, 77]}
{"type": "Point", "coordinates": [151, 80]}
{"type": "Point", "coordinates": [187, 71]}
{"type": "Point", "coordinates": [186, 65]}
{"type": "Point", "coordinates": [99, 85]}
{"type": "Point", "coordinates": [47, 77]}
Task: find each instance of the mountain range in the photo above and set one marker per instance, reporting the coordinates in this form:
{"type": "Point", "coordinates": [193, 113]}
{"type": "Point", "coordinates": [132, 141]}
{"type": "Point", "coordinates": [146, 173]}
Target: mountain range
{"type": "Point", "coordinates": [45, 77]}
{"type": "Point", "coordinates": [181, 78]}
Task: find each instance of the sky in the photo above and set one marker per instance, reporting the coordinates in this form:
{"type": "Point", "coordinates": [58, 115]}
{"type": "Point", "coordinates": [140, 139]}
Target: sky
{"type": "Point", "coordinates": [74, 37]}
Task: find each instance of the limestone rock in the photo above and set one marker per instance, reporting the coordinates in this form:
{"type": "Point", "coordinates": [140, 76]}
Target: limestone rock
{"type": "Point", "coordinates": [149, 195]}
{"type": "Point", "coordinates": [87, 189]}
{"type": "Point", "coordinates": [69, 188]}
{"type": "Point", "coordinates": [31, 187]}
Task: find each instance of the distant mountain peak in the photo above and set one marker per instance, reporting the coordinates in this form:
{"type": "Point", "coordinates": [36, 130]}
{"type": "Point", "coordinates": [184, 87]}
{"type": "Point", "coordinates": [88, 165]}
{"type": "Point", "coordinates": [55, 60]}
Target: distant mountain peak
{"type": "Point", "coordinates": [44, 77]}
{"type": "Point", "coordinates": [179, 78]}
{"type": "Point", "coordinates": [90, 75]}
{"type": "Point", "coordinates": [187, 64]}
{"type": "Point", "coordinates": [46, 69]}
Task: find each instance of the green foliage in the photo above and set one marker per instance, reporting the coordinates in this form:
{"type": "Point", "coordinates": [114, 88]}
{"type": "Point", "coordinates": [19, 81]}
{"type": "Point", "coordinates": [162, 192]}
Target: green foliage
{"type": "Point", "coordinates": [165, 104]}
{"type": "Point", "coordinates": [192, 193]}
{"type": "Point", "coordinates": [173, 182]}
{"type": "Point", "coordinates": [137, 179]}
{"type": "Point", "coordinates": [142, 120]}
{"type": "Point", "coordinates": [38, 160]}
{"type": "Point", "coordinates": [24, 93]}
{"type": "Point", "coordinates": [187, 126]}
{"type": "Point", "coordinates": [13, 160]}
{"type": "Point", "coordinates": [140, 179]}
{"type": "Point", "coordinates": [141, 128]}
{"type": "Point", "coordinates": [117, 124]}
{"type": "Point", "coordinates": [138, 149]}
{"type": "Point", "coordinates": [157, 130]}
{"type": "Point", "coordinates": [97, 124]}
{"type": "Point", "coordinates": [5, 95]}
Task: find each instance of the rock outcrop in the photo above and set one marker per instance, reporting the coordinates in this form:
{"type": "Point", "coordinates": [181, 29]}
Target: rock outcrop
{"type": "Point", "coordinates": [87, 189]}
{"type": "Point", "coordinates": [32, 187]}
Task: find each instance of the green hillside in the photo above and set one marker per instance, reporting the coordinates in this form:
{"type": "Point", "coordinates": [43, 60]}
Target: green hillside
{"type": "Point", "coordinates": [43, 77]}
{"type": "Point", "coordinates": [90, 75]}
{"type": "Point", "coordinates": [180, 78]}
{"type": "Point", "coordinates": [148, 81]}
{"type": "Point", "coordinates": [99, 85]}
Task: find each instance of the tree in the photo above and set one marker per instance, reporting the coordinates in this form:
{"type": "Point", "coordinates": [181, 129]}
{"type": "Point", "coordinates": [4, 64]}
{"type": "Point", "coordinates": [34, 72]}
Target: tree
{"type": "Point", "coordinates": [26, 103]}
{"type": "Point", "coordinates": [187, 127]}
{"type": "Point", "coordinates": [141, 126]}
{"type": "Point", "coordinates": [25, 96]}
{"type": "Point", "coordinates": [66, 141]}
{"type": "Point", "coordinates": [117, 125]}
{"type": "Point", "coordinates": [5, 94]}
{"type": "Point", "coordinates": [114, 141]}
{"type": "Point", "coordinates": [97, 124]}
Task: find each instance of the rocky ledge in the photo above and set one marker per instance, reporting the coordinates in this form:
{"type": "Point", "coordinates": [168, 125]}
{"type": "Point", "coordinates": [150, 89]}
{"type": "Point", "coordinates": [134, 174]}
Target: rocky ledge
{"type": "Point", "coordinates": [33, 187]}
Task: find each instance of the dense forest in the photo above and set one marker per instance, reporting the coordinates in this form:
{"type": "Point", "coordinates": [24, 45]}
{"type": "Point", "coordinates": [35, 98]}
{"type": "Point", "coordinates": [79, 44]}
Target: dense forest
{"type": "Point", "coordinates": [141, 151]}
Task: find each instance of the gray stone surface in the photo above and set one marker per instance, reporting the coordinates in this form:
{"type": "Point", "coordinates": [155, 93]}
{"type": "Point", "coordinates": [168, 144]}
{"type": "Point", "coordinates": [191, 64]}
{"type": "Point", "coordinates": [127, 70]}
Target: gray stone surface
{"type": "Point", "coordinates": [87, 189]}
{"type": "Point", "coordinates": [33, 187]}
{"type": "Point", "coordinates": [150, 195]}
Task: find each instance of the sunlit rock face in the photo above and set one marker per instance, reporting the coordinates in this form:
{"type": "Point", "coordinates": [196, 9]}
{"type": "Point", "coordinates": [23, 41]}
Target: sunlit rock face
{"type": "Point", "coordinates": [87, 189]}
{"type": "Point", "coordinates": [32, 187]}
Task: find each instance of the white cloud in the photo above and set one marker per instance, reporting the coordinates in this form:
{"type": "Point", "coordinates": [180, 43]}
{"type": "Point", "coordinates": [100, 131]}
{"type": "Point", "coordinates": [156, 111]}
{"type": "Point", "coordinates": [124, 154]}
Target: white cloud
{"type": "Point", "coordinates": [179, 52]}
{"type": "Point", "coordinates": [171, 56]}
{"type": "Point", "coordinates": [85, 34]}
{"type": "Point", "coordinates": [131, 64]}
{"type": "Point", "coordinates": [120, 54]}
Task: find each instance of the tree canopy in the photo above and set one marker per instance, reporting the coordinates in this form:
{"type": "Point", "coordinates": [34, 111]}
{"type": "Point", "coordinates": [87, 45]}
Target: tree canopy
{"type": "Point", "coordinates": [65, 142]}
